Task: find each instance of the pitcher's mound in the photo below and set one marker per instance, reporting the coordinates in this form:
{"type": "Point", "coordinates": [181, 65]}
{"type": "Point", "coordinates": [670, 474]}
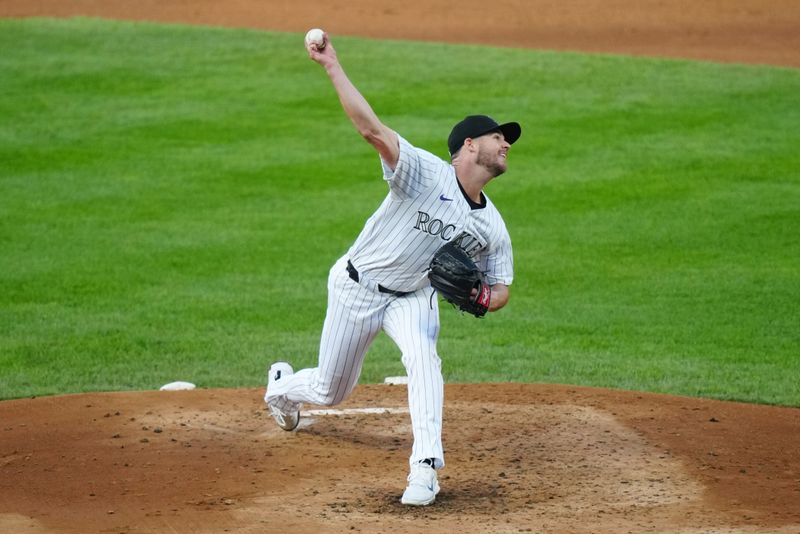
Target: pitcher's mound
{"type": "Point", "coordinates": [519, 458]}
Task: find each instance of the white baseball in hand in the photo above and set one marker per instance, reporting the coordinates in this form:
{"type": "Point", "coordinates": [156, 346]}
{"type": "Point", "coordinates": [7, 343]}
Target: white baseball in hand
{"type": "Point", "coordinates": [317, 37]}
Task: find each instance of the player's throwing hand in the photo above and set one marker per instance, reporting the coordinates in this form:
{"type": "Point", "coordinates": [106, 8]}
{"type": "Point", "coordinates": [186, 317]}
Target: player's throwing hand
{"type": "Point", "coordinates": [325, 55]}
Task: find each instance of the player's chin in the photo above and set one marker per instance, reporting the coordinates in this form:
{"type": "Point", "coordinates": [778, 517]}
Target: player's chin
{"type": "Point", "coordinates": [499, 168]}
{"type": "Point", "coordinates": [494, 167]}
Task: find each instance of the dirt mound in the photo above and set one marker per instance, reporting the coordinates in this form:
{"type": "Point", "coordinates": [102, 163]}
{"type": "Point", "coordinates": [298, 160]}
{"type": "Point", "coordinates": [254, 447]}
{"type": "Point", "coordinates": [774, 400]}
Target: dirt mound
{"type": "Point", "coordinates": [546, 458]}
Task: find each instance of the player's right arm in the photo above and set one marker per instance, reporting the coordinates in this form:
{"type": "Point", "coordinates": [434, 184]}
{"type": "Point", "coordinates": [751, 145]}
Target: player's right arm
{"type": "Point", "coordinates": [380, 136]}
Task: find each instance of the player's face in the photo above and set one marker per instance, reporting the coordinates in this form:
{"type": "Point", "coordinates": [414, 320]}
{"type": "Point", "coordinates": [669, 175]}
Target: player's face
{"type": "Point", "coordinates": [492, 153]}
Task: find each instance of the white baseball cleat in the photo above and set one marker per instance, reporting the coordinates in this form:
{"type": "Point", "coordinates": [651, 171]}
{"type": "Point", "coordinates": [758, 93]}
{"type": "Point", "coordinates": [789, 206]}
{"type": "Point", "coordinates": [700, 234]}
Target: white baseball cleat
{"type": "Point", "coordinates": [287, 419]}
{"type": "Point", "coordinates": [422, 486]}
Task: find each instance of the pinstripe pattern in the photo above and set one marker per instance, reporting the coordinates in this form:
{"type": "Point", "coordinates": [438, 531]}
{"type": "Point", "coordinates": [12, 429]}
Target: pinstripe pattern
{"type": "Point", "coordinates": [354, 318]}
{"type": "Point", "coordinates": [413, 324]}
{"type": "Point", "coordinates": [394, 246]}
{"type": "Point", "coordinates": [425, 208]}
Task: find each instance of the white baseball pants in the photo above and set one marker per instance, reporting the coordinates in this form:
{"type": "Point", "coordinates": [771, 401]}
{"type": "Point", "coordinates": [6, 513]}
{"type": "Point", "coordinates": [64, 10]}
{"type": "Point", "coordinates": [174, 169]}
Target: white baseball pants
{"type": "Point", "coordinates": [357, 312]}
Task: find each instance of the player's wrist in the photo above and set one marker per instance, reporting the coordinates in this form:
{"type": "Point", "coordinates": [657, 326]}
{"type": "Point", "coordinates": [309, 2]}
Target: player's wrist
{"type": "Point", "coordinates": [484, 297]}
{"type": "Point", "coordinates": [333, 68]}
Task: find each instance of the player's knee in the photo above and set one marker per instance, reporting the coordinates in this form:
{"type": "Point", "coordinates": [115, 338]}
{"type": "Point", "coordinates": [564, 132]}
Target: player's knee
{"type": "Point", "coordinates": [330, 396]}
{"type": "Point", "coordinates": [426, 359]}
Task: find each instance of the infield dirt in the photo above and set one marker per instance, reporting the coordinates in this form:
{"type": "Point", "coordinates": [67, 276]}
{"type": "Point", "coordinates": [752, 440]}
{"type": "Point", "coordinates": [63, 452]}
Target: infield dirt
{"type": "Point", "coordinates": [521, 458]}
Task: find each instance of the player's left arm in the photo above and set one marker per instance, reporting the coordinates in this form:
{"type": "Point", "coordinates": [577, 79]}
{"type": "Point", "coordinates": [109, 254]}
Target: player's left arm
{"type": "Point", "coordinates": [499, 298]}
{"type": "Point", "coordinates": [498, 268]}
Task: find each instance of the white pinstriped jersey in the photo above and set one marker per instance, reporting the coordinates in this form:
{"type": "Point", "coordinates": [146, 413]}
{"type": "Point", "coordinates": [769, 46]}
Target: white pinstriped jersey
{"type": "Point", "coordinates": [426, 208]}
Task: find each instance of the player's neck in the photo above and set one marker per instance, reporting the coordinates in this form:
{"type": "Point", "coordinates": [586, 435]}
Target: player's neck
{"type": "Point", "coordinates": [472, 186]}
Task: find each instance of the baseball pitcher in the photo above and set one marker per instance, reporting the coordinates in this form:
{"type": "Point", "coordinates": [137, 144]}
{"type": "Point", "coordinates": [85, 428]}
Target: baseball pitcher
{"type": "Point", "coordinates": [434, 230]}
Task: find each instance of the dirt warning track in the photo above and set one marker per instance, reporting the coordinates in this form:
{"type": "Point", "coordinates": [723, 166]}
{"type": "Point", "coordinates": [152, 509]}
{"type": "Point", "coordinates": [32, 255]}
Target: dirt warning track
{"type": "Point", "coordinates": [742, 31]}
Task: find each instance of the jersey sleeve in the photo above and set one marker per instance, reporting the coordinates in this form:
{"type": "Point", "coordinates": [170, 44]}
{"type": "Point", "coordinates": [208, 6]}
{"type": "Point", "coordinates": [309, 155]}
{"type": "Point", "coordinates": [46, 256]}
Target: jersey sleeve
{"type": "Point", "coordinates": [414, 172]}
{"type": "Point", "coordinates": [498, 263]}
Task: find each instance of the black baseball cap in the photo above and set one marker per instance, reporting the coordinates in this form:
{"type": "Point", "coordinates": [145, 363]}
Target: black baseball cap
{"type": "Point", "coordinates": [477, 125]}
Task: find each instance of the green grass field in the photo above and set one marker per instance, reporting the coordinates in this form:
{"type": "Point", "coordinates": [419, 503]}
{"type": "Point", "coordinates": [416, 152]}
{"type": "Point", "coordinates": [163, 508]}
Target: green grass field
{"type": "Point", "coordinates": [171, 199]}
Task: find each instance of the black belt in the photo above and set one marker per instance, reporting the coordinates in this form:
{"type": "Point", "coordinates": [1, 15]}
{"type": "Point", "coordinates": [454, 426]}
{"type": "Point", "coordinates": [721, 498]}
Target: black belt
{"type": "Point", "coordinates": [355, 278]}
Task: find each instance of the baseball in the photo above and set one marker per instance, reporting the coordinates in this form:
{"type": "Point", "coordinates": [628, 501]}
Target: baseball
{"type": "Point", "coordinates": [317, 37]}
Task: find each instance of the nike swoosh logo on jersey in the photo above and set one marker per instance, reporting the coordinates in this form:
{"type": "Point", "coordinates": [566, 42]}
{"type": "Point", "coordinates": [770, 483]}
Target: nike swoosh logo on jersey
{"type": "Point", "coordinates": [445, 199]}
